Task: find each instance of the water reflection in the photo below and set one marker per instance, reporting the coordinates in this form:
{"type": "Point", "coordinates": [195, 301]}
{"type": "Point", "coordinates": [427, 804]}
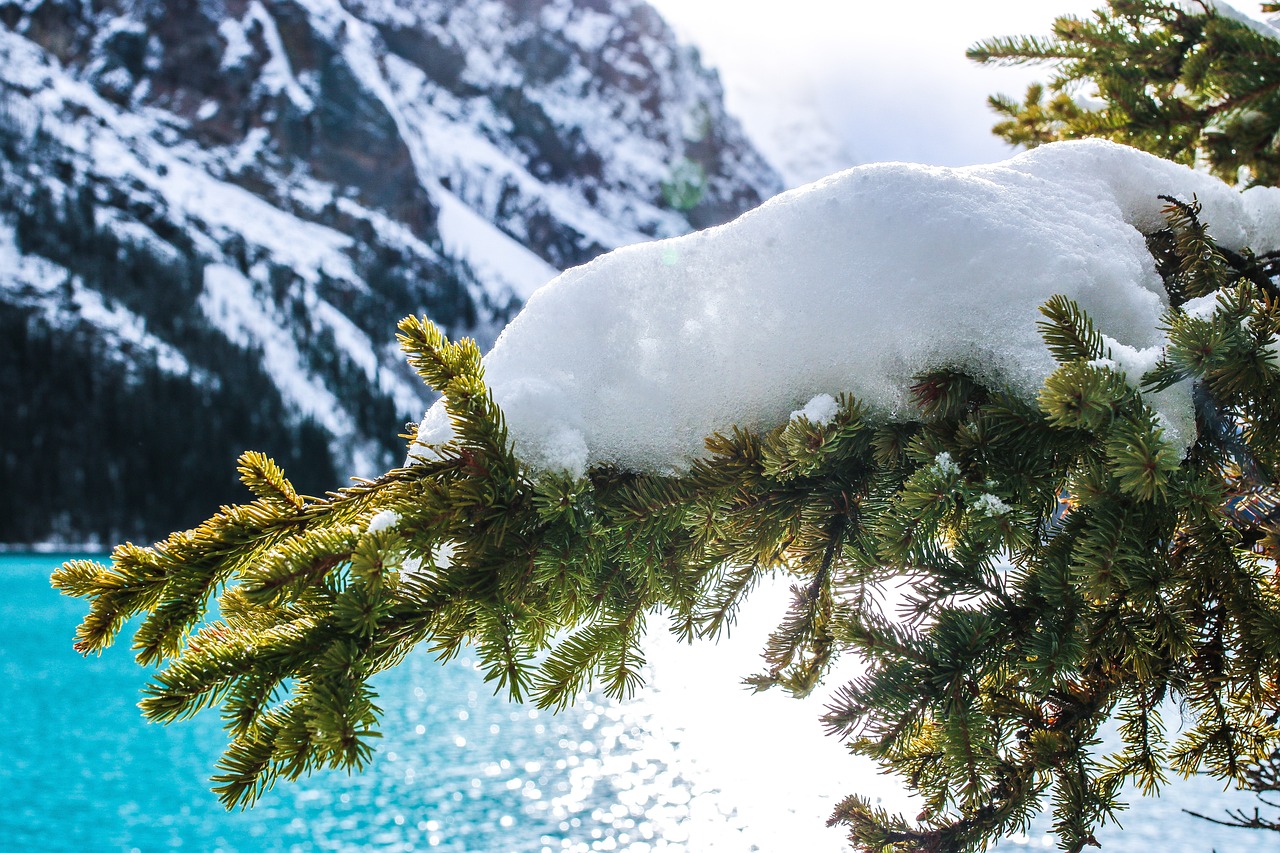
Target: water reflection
{"type": "Point", "coordinates": [459, 771]}
{"type": "Point", "coordinates": [692, 764]}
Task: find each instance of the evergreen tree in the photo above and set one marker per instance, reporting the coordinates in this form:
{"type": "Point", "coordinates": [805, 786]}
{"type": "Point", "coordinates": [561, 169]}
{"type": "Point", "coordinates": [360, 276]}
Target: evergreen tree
{"type": "Point", "coordinates": [1185, 81]}
{"type": "Point", "coordinates": [1064, 565]}
{"type": "Point", "coordinates": [103, 449]}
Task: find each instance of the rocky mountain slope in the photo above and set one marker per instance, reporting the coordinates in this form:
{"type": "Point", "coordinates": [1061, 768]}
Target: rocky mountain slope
{"type": "Point", "coordinates": [212, 213]}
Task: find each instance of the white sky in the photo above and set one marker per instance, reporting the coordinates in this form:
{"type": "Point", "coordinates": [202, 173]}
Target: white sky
{"type": "Point", "coordinates": [889, 78]}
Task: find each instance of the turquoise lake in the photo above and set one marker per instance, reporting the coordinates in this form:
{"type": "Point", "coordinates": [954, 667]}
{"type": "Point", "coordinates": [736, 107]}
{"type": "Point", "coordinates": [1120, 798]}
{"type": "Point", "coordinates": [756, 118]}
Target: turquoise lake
{"type": "Point", "coordinates": [456, 770]}
{"type": "Point", "coordinates": [692, 764]}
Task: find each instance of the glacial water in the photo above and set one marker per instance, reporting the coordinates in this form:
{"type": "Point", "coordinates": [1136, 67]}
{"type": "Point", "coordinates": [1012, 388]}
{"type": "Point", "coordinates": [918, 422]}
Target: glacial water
{"type": "Point", "coordinates": [692, 764]}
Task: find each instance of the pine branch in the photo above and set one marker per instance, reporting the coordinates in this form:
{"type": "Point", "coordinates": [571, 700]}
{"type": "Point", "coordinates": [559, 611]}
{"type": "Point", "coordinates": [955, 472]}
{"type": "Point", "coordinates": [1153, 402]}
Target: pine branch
{"type": "Point", "coordinates": [1056, 564]}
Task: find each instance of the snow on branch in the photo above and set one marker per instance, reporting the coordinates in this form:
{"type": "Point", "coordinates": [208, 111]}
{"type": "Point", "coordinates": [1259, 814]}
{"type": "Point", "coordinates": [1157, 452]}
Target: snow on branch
{"type": "Point", "coordinates": [856, 283]}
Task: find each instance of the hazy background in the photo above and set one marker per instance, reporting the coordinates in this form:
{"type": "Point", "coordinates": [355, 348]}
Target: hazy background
{"type": "Point", "coordinates": [823, 84]}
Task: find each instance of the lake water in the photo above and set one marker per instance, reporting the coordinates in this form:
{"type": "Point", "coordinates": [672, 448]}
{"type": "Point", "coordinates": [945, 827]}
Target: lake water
{"type": "Point", "coordinates": [692, 764]}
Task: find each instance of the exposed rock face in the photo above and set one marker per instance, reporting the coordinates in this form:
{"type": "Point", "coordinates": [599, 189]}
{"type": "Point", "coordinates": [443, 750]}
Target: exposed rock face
{"type": "Point", "coordinates": [223, 206]}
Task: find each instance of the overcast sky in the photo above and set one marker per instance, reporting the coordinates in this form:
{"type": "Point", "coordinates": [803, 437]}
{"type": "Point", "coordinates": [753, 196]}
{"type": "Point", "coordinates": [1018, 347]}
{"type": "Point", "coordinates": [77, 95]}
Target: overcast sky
{"type": "Point", "coordinates": [889, 79]}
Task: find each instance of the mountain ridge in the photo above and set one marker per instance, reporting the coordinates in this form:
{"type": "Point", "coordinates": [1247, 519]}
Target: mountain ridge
{"type": "Point", "coordinates": [235, 201]}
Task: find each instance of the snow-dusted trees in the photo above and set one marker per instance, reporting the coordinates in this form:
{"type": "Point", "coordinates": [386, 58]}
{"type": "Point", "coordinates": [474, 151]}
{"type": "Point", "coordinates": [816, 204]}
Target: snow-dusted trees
{"type": "Point", "coordinates": [1037, 393]}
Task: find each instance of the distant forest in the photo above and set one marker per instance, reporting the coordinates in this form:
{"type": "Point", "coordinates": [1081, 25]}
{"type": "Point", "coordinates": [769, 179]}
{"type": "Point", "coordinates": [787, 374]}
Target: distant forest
{"type": "Point", "coordinates": [92, 447]}
{"type": "Point", "coordinates": [98, 443]}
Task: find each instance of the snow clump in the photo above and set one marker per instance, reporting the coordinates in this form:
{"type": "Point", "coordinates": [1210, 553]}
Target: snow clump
{"type": "Point", "coordinates": [387, 519]}
{"type": "Point", "coordinates": [945, 466]}
{"type": "Point", "coordinates": [855, 283]}
{"type": "Point", "coordinates": [819, 411]}
{"type": "Point", "coordinates": [991, 506]}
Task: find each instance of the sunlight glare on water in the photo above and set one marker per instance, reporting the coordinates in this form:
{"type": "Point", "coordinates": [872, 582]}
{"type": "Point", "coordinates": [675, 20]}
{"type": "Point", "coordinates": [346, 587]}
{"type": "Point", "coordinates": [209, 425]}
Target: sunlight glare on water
{"type": "Point", "coordinates": [693, 763]}
{"type": "Point", "coordinates": [676, 769]}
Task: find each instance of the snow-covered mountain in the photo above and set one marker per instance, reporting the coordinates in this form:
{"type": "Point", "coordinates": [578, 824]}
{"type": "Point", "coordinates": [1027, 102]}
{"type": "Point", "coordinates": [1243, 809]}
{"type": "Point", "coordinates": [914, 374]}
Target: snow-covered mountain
{"type": "Point", "coordinates": [212, 212]}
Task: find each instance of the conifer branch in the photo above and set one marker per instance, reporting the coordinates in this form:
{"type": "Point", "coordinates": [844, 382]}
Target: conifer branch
{"type": "Point", "coordinates": [1057, 562]}
{"type": "Point", "coordinates": [1180, 80]}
